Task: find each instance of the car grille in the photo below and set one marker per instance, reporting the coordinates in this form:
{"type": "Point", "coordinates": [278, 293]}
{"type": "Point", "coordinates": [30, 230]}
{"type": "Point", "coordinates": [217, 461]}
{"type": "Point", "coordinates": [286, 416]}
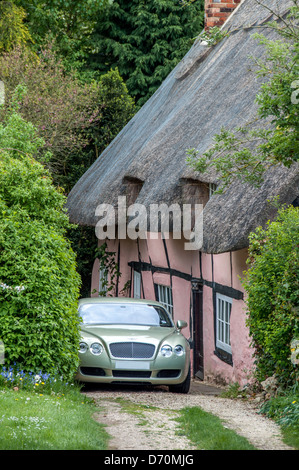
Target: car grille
{"type": "Point", "coordinates": [132, 350]}
{"type": "Point", "coordinates": [132, 374]}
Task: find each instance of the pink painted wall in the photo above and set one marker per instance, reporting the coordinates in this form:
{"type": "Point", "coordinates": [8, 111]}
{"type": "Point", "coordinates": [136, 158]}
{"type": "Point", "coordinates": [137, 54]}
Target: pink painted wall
{"type": "Point", "coordinates": [222, 269]}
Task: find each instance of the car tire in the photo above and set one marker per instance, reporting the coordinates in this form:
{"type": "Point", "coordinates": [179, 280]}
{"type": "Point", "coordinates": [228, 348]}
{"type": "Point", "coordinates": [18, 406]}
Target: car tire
{"type": "Point", "coordinates": [184, 387]}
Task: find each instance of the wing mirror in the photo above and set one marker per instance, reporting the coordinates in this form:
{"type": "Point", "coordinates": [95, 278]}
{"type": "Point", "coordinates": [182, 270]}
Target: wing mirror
{"type": "Point", "coordinates": [181, 324]}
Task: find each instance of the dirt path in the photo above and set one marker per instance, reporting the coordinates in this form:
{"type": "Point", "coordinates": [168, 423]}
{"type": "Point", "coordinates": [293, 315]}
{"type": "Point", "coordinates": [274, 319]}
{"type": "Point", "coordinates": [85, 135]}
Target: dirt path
{"type": "Point", "coordinates": [149, 428]}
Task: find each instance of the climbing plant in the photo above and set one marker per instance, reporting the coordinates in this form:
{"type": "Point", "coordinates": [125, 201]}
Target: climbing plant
{"type": "Point", "coordinates": [109, 270]}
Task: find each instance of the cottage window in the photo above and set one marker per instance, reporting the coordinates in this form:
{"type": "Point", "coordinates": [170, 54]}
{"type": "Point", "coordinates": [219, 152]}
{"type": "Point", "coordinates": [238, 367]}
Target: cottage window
{"type": "Point", "coordinates": [164, 295]}
{"type": "Point", "coordinates": [103, 278]}
{"type": "Point", "coordinates": [137, 285]}
{"type": "Point", "coordinates": [223, 312]}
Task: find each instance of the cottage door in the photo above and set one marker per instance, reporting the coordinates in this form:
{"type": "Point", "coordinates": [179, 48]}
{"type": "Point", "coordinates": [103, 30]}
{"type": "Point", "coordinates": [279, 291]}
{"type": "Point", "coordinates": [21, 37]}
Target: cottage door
{"type": "Point", "coordinates": [198, 365]}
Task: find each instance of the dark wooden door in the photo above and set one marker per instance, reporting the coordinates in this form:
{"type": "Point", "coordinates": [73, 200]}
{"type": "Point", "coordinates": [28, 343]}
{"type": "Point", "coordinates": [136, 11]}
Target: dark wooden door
{"type": "Point", "coordinates": [198, 333]}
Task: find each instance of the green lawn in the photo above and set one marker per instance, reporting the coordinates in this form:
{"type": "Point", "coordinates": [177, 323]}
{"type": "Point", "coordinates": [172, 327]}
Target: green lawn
{"type": "Point", "coordinates": [32, 421]}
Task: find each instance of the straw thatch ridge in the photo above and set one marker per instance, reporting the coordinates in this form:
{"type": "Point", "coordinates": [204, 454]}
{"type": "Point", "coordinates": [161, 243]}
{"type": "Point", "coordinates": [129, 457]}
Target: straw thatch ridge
{"type": "Point", "coordinates": [210, 88]}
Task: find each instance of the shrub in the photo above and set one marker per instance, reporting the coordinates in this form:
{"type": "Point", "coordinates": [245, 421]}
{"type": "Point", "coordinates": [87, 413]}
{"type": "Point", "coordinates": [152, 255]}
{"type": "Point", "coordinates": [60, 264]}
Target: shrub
{"type": "Point", "coordinates": [38, 280]}
{"type": "Point", "coordinates": [272, 286]}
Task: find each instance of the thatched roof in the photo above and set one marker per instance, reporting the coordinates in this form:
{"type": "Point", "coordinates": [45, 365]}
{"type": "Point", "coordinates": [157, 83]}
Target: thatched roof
{"type": "Point", "coordinates": [210, 88]}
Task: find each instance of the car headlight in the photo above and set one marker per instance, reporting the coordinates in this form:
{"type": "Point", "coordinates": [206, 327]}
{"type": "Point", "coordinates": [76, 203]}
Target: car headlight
{"type": "Point", "coordinates": [166, 350]}
{"type": "Point", "coordinates": [179, 350]}
{"type": "Point", "coordinates": [83, 347]}
{"type": "Point", "coordinates": [96, 349]}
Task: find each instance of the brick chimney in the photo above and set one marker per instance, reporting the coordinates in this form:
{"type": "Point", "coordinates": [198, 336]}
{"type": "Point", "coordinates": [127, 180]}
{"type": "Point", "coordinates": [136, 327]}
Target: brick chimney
{"type": "Point", "coordinates": [217, 11]}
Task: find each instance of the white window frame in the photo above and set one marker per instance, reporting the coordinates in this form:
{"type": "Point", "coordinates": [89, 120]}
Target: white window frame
{"type": "Point", "coordinates": [165, 297]}
{"type": "Point", "coordinates": [137, 285]}
{"type": "Point", "coordinates": [223, 316]}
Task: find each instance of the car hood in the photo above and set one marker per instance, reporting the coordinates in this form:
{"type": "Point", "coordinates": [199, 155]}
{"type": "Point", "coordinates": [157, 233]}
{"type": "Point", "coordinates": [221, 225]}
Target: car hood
{"type": "Point", "coordinates": [121, 333]}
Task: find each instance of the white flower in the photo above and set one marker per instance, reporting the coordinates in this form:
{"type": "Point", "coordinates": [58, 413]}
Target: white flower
{"type": "Point", "coordinates": [6, 287]}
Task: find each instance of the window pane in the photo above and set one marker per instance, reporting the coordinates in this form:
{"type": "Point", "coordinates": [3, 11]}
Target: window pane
{"type": "Point", "coordinates": [137, 285]}
{"type": "Point", "coordinates": [165, 297]}
{"type": "Point", "coordinates": [223, 312]}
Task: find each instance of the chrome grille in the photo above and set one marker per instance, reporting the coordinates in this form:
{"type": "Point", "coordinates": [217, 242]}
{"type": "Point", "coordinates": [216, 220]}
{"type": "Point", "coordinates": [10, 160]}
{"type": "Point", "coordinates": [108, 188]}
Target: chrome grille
{"type": "Point", "coordinates": [132, 350]}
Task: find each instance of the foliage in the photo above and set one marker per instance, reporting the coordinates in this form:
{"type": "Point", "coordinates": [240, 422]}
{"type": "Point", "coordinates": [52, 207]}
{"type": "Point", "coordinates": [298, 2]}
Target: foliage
{"type": "Point", "coordinates": [248, 151]}
{"type": "Point", "coordinates": [13, 377]}
{"type": "Point", "coordinates": [284, 409]}
{"type": "Point", "coordinates": [84, 242]}
{"type": "Point", "coordinates": [13, 30]}
{"type": "Point", "coordinates": [109, 269]}
{"type": "Point", "coordinates": [76, 121]}
{"type": "Point", "coordinates": [213, 35]}
{"type": "Point", "coordinates": [116, 109]}
{"type": "Point", "coordinates": [272, 288]}
{"type": "Point", "coordinates": [57, 104]}
{"type": "Point", "coordinates": [145, 40]}
{"type": "Point", "coordinates": [39, 284]}
{"type": "Point", "coordinates": [68, 24]}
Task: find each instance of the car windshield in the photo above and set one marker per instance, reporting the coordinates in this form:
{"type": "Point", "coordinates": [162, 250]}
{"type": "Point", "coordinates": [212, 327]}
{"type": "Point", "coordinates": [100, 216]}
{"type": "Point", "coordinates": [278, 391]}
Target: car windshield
{"type": "Point", "coordinates": [124, 314]}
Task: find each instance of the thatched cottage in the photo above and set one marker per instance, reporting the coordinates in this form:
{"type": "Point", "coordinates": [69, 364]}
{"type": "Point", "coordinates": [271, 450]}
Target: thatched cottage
{"type": "Point", "coordinates": [213, 86]}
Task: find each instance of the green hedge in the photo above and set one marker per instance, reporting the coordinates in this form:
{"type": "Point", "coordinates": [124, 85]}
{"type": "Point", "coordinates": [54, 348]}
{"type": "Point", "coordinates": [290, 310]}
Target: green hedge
{"type": "Point", "coordinates": [39, 285]}
{"type": "Point", "coordinates": [273, 295]}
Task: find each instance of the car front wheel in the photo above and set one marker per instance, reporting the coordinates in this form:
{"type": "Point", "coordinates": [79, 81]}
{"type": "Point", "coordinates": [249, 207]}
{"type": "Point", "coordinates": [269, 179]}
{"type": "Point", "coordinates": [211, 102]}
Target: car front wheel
{"type": "Point", "coordinates": [184, 387]}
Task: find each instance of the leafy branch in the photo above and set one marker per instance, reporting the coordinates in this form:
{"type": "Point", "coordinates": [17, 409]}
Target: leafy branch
{"type": "Point", "coordinates": [213, 36]}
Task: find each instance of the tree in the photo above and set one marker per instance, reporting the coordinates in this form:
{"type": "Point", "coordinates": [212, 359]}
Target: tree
{"type": "Point", "coordinates": [76, 120]}
{"type": "Point", "coordinates": [116, 108]}
{"type": "Point", "coordinates": [248, 151]}
{"type": "Point", "coordinates": [13, 30]}
{"type": "Point", "coordinates": [39, 285]}
{"type": "Point", "coordinates": [57, 103]}
{"type": "Point", "coordinates": [67, 24]}
{"type": "Point", "coordinates": [272, 287]}
{"type": "Point", "coordinates": [145, 40]}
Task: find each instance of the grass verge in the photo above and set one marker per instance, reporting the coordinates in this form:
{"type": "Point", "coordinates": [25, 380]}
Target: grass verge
{"type": "Point", "coordinates": [207, 432]}
{"type": "Point", "coordinates": [284, 410]}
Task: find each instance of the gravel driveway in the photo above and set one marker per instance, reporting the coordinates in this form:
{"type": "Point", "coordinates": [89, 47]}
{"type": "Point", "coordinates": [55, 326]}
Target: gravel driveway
{"type": "Point", "coordinates": [155, 429]}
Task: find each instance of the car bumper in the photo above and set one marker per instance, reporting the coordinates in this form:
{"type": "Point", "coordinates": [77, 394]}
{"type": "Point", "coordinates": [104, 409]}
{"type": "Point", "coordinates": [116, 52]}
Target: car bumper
{"type": "Point", "coordinates": [135, 372]}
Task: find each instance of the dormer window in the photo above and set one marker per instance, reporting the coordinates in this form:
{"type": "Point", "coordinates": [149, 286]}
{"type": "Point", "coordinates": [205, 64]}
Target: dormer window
{"type": "Point", "coordinates": [194, 191]}
{"type": "Point", "coordinates": [132, 188]}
